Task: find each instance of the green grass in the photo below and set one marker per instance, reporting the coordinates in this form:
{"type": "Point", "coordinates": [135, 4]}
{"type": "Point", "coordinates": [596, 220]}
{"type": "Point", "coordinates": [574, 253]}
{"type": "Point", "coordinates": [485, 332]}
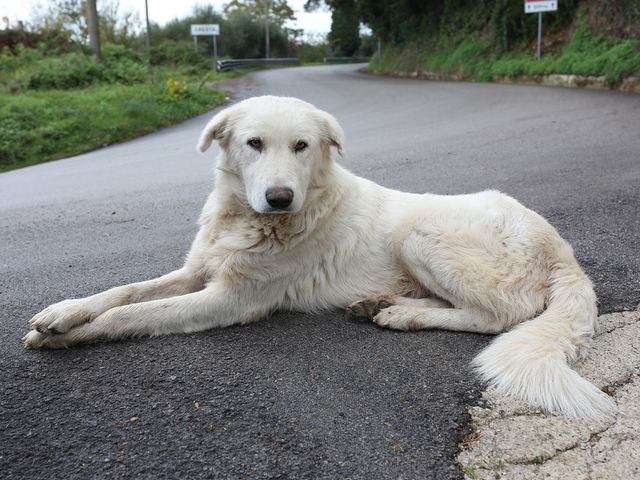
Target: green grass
{"type": "Point", "coordinates": [56, 107]}
{"type": "Point", "coordinates": [585, 54]}
{"type": "Point", "coordinates": [39, 126]}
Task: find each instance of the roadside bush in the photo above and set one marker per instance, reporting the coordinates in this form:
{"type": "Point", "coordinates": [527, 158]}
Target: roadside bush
{"type": "Point", "coordinates": [464, 59]}
{"type": "Point", "coordinates": [22, 56]}
{"type": "Point", "coordinates": [309, 53]}
{"type": "Point", "coordinates": [12, 61]}
{"type": "Point", "coordinates": [113, 53]}
{"type": "Point", "coordinates": [34, 71]}
{"type": "Point", "coordinates": [182, 53]}
{"type": "Point", "coordinates": [71, 70]}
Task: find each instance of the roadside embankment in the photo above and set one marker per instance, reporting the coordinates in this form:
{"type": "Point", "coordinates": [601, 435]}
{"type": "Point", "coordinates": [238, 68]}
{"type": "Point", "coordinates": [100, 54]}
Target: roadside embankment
{"type": "Point", "coordinates": [579, 50]}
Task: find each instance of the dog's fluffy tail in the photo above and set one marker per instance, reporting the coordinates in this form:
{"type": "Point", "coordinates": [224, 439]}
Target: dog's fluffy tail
{"type": "Point", "coordinates": [531, 362]}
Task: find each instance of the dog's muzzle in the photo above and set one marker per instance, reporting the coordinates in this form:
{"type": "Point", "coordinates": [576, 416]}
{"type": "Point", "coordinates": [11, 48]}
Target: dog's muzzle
{"type": "Point", "coordinates": [279, 197]}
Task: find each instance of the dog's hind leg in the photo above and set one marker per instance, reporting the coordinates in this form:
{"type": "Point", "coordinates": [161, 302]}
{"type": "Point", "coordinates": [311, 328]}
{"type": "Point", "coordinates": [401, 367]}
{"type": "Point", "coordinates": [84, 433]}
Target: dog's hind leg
{"type": "Point", "coordinates": [404, 317]}
{"type": "Point", "coordinates": [63, 316]}
{"type": "Point", "coordinates": [404, 313]}
{"type": "Point", "coordinates": [491, 287]}
{"type": "Point", "coordinates": [371, 306]}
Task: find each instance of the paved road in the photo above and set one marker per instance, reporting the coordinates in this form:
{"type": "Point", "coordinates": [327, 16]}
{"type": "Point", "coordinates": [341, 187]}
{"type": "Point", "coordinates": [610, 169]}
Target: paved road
{"type": "Point", "coordinates": [295, 396]}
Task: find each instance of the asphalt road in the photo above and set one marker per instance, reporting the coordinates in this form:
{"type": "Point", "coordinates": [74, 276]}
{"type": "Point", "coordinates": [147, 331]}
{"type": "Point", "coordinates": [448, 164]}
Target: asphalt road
{"type": "Point", "coordinates": [295, 396]}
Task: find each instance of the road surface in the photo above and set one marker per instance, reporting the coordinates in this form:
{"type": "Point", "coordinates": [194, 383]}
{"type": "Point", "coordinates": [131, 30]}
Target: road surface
{"type": "Point", "coordinates": [295, 396]}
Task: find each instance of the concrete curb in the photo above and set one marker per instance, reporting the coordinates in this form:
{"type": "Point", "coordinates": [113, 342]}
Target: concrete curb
{"type": "Point", "coordinates": [629, 84]}
{"type": "Point", "coordinates": [512, 441]}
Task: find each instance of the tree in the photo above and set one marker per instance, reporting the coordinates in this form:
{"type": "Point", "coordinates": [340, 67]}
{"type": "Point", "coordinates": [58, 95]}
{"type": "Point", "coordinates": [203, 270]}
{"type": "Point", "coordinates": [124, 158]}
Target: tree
{"type": "Point", "coordinates": [241, 34]}
{"type": "Point", "coordinates": [68, 21]}
{"type": "Point", "coordinates": [279, 10]}
{"type": "Point", "coordinates": [274, 12]}
{"type": "Point", "coordinates": [270, 16]}
{"type": "Point", "coordinates": [344, 36]}
{"type": "Point", "coordinates": [94, 30]}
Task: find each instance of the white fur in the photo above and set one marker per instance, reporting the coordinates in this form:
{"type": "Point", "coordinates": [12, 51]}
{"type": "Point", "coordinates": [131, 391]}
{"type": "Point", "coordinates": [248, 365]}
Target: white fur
{"type": "Point", "coordinates": [479, 263]}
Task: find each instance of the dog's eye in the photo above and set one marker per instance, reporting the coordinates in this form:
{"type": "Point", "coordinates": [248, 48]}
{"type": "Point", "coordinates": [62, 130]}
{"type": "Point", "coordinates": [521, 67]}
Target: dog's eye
{"type": "Point", "coordinates": [298, 147]}
{"type": "Point", "coordinates": [255, 143]}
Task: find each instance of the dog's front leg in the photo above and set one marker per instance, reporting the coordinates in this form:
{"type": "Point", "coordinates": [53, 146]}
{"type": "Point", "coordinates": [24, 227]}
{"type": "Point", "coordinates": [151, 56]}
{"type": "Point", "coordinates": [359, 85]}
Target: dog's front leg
{"type": "Point", "coordinates": [215, 306]}
{"type": "Point", "coordinates": [63, 316]}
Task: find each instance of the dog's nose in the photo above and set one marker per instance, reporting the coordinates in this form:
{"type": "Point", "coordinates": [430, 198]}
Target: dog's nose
{"type": "Point", "coordinates": [279, 197]}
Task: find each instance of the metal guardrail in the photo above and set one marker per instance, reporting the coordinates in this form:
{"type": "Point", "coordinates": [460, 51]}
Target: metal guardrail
{"type": "Point", "coordinates": [346, 59]}
{"type": "Point", "coordinates": [231, 64]}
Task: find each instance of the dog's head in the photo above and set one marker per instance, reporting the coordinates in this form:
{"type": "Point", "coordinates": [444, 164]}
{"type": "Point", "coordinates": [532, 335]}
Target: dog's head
{"type": "Point", "coordinates": [276, 146]}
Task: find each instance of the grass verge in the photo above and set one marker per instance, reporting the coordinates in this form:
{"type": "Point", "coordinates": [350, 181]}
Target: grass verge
{"type": "Point", "coordinates": [585, 54]}
{"type": "Point", "coordinates": [39, 126]}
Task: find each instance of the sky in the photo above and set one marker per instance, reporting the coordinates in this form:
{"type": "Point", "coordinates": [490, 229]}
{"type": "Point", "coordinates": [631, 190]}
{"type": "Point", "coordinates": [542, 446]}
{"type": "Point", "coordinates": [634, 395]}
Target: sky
{"type": "Point", "coordinates": [161, 11]}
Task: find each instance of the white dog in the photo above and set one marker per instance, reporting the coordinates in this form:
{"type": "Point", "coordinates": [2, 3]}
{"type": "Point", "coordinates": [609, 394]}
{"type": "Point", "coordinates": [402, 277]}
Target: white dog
{"type": "Point", "coordinates": [286, 228]}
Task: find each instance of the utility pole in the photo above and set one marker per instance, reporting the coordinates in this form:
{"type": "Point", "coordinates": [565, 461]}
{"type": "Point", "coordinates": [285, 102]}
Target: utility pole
{"type": "Point", "coordinates": [266, 29]}
{"type": "Point", "coordinates": [539, 42]}
{"type": "Point", "coordinates": [94, 30]}
{"type": "Point", "coordinates": [146, 10]}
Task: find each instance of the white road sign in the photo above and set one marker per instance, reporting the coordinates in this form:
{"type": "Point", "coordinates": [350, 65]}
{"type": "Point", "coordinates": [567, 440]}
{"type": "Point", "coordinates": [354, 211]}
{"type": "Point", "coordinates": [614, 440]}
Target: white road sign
{"type": "Point", "coordinates": [205, 29]}
{"type": "Point", "coordinates": [537, 6]}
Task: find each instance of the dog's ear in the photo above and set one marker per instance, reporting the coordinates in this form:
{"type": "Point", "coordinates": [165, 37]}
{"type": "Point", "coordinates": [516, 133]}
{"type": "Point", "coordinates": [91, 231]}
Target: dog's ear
{"type": "Point", "coordinates": [332, 132]}
{"type": "Point", "coordinates": [215, 130]}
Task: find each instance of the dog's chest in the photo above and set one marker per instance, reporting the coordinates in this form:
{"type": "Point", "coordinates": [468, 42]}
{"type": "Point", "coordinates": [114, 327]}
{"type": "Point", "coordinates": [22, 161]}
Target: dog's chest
{"type": "Point", "coordinates": [328, 266]}
{"type": "Point", "coordinates": [334, 273]}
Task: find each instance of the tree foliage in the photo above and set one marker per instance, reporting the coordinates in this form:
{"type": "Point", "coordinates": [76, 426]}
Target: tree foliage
{"type": "Point", "coordinates": [279, 10]}
{"type": "Point", "coordinates": [502, 21]}
{"type": "Point", "coordinates": [344, 36]}
{"type": "Point", "coordinates": [66, 21]}
{"type": "Point", "coordinates": [241, 34]}
{"type": "Point", "coordinates": [62, 27]}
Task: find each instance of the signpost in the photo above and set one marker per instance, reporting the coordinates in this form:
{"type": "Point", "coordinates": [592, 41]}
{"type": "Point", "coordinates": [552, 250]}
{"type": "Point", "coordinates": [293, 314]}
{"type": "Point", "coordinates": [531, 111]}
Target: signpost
{"type": "Point", "coordinates": [206, 29]}
{"type": "Point", "coordinates": [539, 6]}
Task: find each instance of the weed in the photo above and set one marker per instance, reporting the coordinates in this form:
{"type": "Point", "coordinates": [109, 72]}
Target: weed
{"type": "Point", "coordinates": [176, 89]}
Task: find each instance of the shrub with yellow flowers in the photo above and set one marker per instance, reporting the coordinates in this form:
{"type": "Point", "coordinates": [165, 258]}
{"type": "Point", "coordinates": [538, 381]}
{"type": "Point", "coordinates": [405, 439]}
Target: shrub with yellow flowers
{"type": "Point", "coordinates": [176, 89]}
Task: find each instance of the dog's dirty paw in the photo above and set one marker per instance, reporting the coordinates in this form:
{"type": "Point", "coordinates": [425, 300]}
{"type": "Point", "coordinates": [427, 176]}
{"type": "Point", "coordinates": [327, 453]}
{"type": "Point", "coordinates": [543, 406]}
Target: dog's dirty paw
{"type": "Point", "coordinates": [369, 307]}
{"type": "Point", "coordinates": [61, 317]}
{"type": "Point", "coordinates": [397, 318]}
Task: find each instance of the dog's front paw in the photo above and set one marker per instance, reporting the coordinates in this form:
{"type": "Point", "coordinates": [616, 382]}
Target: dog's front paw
{"type": "Point", "coordinates": [397, 318]}
{"type": "Point", "coordinates": [34, 339]}
{"type": "Point", "coordinates": [61, 317]}
{"type": "Point", "coordinates": [369, 307]}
